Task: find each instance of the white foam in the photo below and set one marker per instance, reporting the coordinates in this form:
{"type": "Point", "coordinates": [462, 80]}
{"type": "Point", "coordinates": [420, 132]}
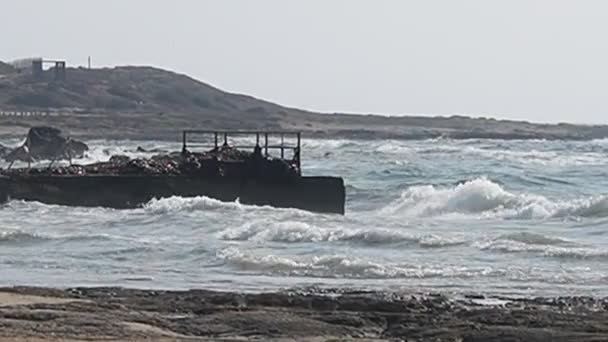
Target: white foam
{"type": "Point", "coordinates": [534, 239]}
{"type": "Point", "coordinates": [19, 236]}
{"type": "Point", "coordinates": [394, 147]}
{"type": "Point", "coordinates": [176, 204]}
{"type": "Point", "coordinates": [300, 232]}
{"type": "Point", "coordinates": [485, 198]}
{"type": "Point", "coordinates": [327, 144]}
{"type": "Point", "coordinates": [510, 246]}
{"type": "Point", "coordinates": [514, 152]}
{"type": "Point", "coordinates": [341, 266]}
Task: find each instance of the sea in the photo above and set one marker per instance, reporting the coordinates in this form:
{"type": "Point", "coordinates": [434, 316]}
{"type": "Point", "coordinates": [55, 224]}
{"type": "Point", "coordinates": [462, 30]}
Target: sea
{"type": "Point", "coordinates": [514, 218]}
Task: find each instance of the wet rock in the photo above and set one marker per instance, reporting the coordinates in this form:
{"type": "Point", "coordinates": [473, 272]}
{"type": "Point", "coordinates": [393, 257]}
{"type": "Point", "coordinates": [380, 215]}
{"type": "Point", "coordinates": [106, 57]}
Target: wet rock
{"type": "Point", "coordinates": [47, 143]}
{"type": "Point", "coordinates": [119, 160]}
{"type": "Point", "coordinates": [140, 149]}
{"type": "Point", "coordinates": [4, 150]}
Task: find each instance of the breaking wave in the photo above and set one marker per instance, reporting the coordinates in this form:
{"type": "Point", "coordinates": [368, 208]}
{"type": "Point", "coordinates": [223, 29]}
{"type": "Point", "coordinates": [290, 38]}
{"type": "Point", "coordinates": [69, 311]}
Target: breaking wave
{"type": "Point", "coordinates": [176, 203]}
{"type": "Point", "coordinates": [351, 267]}
{"type": "Point", "coordinates": [296, 232]}
{"type": "Point", "coordinates": [340, 266]}
{"type": "Point", "coordinates": [506, 246]}
{"type": "Point", "coordinates": [534, 239]}
{"type": "Point", "coordinates": [18, 236]}
{"type": "Point", "coordinates": [540, 244]}
{"type": "Point", "coordinates": [489, 199]}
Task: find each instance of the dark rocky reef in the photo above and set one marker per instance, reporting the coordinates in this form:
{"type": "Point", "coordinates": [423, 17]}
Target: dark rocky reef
{"type": "Point", "coordinates": [46, 143]}
{"type": "Point", "coordinates": [334, 315]}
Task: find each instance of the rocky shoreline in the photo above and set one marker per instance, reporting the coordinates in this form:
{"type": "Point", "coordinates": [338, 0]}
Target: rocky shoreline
{"type": "Point", "coordinates": [118, 314]}
{"type": "Point", "coordinates": [150, 126]}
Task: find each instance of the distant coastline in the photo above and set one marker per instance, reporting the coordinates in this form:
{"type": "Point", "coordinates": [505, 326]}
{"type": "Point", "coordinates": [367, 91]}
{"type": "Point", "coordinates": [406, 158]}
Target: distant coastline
{"type": "Point", "coordinates": [151, 103]}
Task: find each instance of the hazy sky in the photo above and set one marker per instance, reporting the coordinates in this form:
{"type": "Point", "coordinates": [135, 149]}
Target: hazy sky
{"type": "Point", "coordinates": [526, 59]}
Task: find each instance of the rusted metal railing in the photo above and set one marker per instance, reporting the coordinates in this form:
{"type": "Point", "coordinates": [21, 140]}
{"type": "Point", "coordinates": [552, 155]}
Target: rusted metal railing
{"type": "Point", "coordinates": [224, 135]}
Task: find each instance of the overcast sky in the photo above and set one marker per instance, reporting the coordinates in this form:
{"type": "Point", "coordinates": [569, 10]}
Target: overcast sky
{"type": "Point", "coordinates": [524, 59]}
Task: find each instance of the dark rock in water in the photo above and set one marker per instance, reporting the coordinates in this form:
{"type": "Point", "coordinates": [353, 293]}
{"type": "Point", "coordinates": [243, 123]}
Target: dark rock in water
{"type": "Point", "coordinates": [119, 159]}
{"type": "Point", "coordinates": [153, 150]}
{"type": "Point", "coordinates": [20, 153]}
{"type": "Point", "coordinates": [4, 151]}
{"type": "Point", "coordinates": [47, 143]}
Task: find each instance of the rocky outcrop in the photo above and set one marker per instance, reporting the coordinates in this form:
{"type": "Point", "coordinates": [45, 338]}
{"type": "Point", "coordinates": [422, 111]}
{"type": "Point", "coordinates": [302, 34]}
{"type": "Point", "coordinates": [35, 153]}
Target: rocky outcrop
{"type": "Point", "coordinates": [47, 143]}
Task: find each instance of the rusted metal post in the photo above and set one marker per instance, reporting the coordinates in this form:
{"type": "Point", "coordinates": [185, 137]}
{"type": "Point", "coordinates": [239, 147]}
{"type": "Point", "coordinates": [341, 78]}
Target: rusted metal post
{"type": "Point", "coordinates": [225, 139]}
{"type": "Point", "coordinates": [257, 139]}
{"type": "Point", "coordinates": [29, 155]}
{"type": "Point", "coordinates": [282, 146]}
{"type": "Point", "coordinates": [184, 142]}
{"type": "Point", "coordinates": [298, 153]}
{"type": "Point", "coordinates": [266, 144]}
{"type": "Point", "coordinates": [215, 144]}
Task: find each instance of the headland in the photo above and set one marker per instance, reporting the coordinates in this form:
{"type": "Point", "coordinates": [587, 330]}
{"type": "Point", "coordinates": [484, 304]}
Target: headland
{"type": "Point", "coordinates": [134, 102]}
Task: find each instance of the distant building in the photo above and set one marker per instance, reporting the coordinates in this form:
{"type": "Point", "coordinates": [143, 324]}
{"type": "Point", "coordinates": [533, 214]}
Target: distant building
{"type": "Point", "coordinates": [36, 67]}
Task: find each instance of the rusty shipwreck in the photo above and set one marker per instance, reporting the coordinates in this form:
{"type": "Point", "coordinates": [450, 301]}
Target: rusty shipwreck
{"type": "Point", "coordinates": [258, 173]}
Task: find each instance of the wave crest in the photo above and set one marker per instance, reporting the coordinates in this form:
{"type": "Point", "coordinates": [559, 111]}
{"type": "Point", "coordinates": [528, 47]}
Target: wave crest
{"type": "Point", "coordinates": [488, 199]}
{"type": "Point", "coordinates": [299, 232]}
{"type": "Point", "coordinates": [177, 203]}
{"type": "Point", "coordinates": [542, 245]}
{"type": "Point", "coordinates": [340, 266]}
{"type": "Point", "coordinates": [17, 236]}
{"type": "Point", "coordinates": [506, 246]}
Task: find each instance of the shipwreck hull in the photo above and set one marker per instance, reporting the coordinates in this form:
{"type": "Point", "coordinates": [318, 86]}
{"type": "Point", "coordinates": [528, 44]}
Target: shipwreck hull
{"type": "Point", "coordinates": [317, 194]}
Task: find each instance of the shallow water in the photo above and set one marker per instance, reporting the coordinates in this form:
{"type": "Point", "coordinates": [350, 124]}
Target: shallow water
{"type": "Point", "coordinates": [504, 217]}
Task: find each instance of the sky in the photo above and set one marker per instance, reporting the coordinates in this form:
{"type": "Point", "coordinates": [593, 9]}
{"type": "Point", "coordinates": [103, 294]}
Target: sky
{"type": "Point", "coordinates": [538, 60]}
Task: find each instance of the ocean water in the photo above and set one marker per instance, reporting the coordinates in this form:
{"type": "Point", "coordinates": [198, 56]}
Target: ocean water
{"type": "Point", "coordinates": [501, 217]}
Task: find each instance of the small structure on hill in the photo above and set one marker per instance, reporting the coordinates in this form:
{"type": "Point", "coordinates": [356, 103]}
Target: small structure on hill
{"type": "Point", "coordinates": [36, 67]}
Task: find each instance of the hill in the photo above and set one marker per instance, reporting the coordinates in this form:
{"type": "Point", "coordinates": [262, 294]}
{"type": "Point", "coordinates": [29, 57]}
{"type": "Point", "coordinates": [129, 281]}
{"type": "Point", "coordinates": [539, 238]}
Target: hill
{"type": "Point", "coordinates": [146, 102]}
